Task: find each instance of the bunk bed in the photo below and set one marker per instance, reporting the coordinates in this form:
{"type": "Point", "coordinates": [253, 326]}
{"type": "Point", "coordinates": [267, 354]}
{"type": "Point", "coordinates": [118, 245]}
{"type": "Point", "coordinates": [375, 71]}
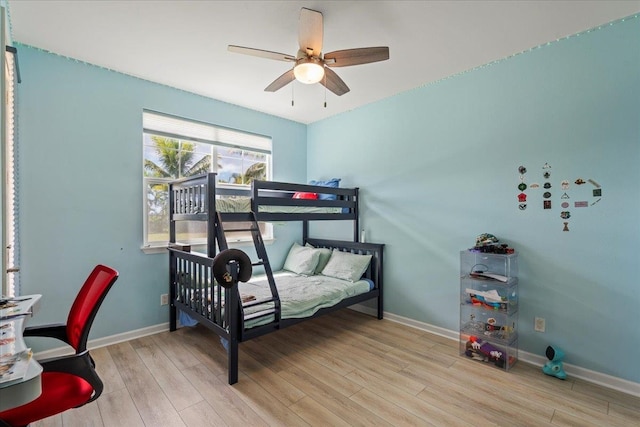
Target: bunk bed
{"type": "Point", "coordinates": [196, 285]}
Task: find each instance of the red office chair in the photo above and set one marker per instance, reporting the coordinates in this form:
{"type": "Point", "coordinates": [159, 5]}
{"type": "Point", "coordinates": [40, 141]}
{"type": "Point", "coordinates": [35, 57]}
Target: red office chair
{"type": "Point", "coordinates": [68, 381]}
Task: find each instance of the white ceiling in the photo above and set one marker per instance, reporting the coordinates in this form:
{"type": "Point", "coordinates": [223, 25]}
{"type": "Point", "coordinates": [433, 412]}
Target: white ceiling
{"type": "Point", "coordinates": [183, 44]}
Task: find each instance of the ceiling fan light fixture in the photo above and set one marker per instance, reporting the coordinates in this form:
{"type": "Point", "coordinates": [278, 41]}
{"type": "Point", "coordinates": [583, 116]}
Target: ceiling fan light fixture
{"type": "Point", "coordinates": [308, 70]}
{"type": "Point", "coordinates": [311, 66]}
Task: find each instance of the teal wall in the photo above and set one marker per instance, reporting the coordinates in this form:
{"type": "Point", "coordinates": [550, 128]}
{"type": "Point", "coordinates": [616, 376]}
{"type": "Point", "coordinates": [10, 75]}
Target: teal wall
{"type": "Point", "coordinates": [80, 158]}
{"type": "Point", "coordinates": [438, 166]}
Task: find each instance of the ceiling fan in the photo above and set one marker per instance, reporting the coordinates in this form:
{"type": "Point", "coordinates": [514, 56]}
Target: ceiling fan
{"type": "Point", "coordinates": [311, 66]}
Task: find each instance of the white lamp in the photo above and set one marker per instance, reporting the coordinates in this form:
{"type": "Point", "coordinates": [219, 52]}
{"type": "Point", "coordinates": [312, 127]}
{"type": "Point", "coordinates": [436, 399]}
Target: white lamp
{"type": "Point", "coordinates": [308, 70]}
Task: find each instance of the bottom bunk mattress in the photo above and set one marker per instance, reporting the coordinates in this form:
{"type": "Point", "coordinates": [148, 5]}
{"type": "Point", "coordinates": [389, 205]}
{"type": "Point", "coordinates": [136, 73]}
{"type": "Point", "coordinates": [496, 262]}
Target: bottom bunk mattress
{"type": "Point", "coordinates": [300, 296]}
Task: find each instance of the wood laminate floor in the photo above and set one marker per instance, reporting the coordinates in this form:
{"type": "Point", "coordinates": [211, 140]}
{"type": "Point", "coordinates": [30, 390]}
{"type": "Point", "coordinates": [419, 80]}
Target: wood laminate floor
{"type": "Point", "coordinates": [345, 369]}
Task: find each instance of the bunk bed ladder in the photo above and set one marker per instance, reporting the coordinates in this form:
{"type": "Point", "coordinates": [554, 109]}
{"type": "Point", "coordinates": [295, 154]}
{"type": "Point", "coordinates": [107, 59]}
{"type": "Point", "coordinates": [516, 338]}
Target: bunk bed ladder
{"type": "Point", "coordinates": [263, 261]}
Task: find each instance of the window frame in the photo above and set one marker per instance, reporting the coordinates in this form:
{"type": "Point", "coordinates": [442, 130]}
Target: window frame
{"type": "Point", "coordinates": [9, 224]}
{"type": "Point", "coordinates": [233, 140]}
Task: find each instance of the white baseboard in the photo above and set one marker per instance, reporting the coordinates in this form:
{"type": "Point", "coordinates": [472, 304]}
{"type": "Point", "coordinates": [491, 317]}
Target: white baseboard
{"type": "Point", "coordinates": [105, 341]}
{"type": "Point", "coordinates": [604, 380]}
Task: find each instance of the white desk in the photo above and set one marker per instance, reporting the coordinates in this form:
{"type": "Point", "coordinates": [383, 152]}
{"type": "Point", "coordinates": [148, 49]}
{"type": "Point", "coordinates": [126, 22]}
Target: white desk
{"type": "Point", "coordinates": [18, 391]}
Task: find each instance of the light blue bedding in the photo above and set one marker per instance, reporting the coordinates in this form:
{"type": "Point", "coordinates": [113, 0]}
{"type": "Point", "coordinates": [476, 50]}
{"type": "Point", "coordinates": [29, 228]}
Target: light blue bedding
{"type": "Point", "coordinates": [300, 296]}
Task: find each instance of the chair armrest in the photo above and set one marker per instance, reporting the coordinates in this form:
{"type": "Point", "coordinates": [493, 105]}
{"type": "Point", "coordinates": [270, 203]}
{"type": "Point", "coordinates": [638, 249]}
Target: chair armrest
{"type": "Point", "coordinates": [80, 365]}
{"type": "Point", "coordinates": [56, 330]}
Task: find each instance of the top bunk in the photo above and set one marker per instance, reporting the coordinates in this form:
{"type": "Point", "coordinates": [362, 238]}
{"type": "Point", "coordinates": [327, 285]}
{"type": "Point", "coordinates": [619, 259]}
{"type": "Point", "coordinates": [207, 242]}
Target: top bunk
{"type": "Point", "coordinates": [199, 198]}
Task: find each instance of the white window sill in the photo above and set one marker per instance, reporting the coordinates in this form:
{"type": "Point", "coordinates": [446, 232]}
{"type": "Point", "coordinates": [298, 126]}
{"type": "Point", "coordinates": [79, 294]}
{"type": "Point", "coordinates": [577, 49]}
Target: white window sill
{"type": "Point", "coordinates": [154, 249]}
{"type": "Point", "coordinates": [161, 249]}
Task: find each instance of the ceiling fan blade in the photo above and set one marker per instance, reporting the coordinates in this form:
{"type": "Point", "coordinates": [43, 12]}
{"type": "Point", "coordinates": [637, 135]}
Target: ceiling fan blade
{"type": "Point", "coordinates": [281, 81]}
{"type": "Point", "coordinates": [310, 31]}
{"type": "Point", "coordinates": [334, 83]}
{"type": "Point", "coordinates": [261, 53]}
{"type": "Point", "coordinates": [363, 55]}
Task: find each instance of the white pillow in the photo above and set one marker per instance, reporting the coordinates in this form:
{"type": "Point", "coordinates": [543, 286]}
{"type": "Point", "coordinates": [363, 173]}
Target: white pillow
{"type": "Point", "coordinates": [301, 260]}
{"type": "Point", "coordinates": [346, 266]}
{"type": "Point", "coordinates": [325, 254]}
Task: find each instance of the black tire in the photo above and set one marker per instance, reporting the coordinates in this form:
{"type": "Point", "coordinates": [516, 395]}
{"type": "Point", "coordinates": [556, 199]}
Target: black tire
{"type": "Point", "coordinates": [221, 261]}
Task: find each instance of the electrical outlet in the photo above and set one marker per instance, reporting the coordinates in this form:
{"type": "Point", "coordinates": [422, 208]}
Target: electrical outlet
{"type": "Point", "coordinates": [539, 324]}
{"type": "Point", "coordinates": [164, 299]}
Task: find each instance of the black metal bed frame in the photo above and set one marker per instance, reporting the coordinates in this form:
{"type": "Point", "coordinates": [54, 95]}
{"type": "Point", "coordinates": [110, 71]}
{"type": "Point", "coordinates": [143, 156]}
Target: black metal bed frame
{"type": "Point", "coordinates": [193, 289]}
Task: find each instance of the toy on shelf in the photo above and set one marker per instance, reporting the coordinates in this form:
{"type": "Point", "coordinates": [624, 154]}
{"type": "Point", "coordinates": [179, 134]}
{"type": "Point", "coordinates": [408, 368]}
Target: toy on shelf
{"type": "Point", "coordinates": [554, 366]}
{"type": "Point", "coordinates": [489, 329]}
{"type": "Point", "coordinates": [487, 299]}
{"type": "Point", "coordinates": [488, 243]}
{"type": "Point", "coordinates": [481, 350]}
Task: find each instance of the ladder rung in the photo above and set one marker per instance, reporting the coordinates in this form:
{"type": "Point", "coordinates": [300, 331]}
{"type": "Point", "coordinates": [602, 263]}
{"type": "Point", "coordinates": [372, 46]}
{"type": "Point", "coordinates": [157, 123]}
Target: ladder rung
{"type": "Point", "coordinates": [257, 263]}
{"type": "Point", "coordinates": [237, 230]}
{"type": "Point", "coordinates": [260, 314]}
{"type": "Point", "coordinates": [258, 302]}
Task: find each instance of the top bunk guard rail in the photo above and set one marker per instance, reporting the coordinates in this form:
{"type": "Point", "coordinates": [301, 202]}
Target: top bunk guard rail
{"type": "Point", "coordinates": [193, 198]}
{"type": "Point", "coordinates": [271, 194]}
{"type": "Point", "coordinates": [190, 197]}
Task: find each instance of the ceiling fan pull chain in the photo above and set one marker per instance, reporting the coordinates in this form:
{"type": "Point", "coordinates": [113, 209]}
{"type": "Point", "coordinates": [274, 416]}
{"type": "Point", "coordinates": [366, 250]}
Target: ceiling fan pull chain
{"type": "Point", "coordinates": [325, 90]}
{"type": "Point", "coordinates": [292, 94]}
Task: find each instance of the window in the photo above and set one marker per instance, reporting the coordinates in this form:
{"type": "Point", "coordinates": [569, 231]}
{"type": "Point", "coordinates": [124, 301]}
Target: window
{"type": "Point", "coordinates": [9, 171]}
{"type": "Point", "coordinates": [176, 148]}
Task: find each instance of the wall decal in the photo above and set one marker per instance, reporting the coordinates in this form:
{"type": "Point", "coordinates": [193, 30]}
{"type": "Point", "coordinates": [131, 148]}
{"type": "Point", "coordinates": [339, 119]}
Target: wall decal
{"type": "Point", "coordinates": [522, 197]}
{"type": "Point", "coordinates": [547, 196]}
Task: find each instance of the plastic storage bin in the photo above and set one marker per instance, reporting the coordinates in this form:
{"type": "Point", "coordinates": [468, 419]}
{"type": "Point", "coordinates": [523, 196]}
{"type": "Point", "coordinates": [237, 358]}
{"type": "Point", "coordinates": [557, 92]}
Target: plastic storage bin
{"type": "Point", "coordinates": [489, 352]}
{"type": "Point", "coordinates": [489, 294]}
{"type": "Point", "coordinates": [489, 307]}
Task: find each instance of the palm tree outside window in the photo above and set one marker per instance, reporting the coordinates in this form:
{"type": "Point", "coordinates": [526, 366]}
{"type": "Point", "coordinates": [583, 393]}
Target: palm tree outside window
{"type": "Point", "coordinates": [169, 156]}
